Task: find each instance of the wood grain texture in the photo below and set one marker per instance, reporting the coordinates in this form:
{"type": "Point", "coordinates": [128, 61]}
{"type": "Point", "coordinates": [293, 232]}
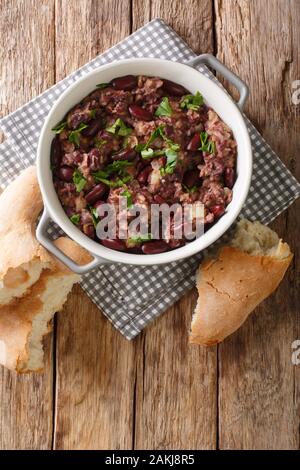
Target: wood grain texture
{"type": "Point", "coordinates": [95, 380]}
{"type": "Point", "coordinates": [258, 384]}
{"type": "Point", "coordinates": [176, 400]}
{"type": "Point", "coordinates": [176, 384]}
{"type": "Point", "coordinates": [191, 19]}
{"type": "Point", "coordinates": [157, 392]}
{"type": "Point", "coordinates": [95, 364]}
{"type": "Point", "coordinates": [27, 59]}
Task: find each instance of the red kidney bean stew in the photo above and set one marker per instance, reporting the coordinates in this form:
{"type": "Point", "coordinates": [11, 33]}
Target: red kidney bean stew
{"type": "Point", "coordinates": [150, 140]}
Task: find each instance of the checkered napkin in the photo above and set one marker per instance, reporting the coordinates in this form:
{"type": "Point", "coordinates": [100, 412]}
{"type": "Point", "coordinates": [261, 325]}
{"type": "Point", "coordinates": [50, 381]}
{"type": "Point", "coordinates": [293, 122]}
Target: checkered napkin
{"type": "Point", "coordinates": [132, 296]}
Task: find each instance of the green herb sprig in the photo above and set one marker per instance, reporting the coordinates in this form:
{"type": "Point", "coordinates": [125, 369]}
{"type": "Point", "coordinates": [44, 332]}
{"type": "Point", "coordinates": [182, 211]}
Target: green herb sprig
{"type": "Point", "coordinates": [59, 127]}
{"type": "Point", "coordinates": [74, 135]}
{"type": "Point", "coordinates": [119, 128]}
{"type": "Point", "coordinates": [79, 181]}
{"type": "Point", "coordinates": [207, 145]}
{"type": "Point", "coordinates": [164, 109]}
{"type": "Point", "coordinates": [192, 101]}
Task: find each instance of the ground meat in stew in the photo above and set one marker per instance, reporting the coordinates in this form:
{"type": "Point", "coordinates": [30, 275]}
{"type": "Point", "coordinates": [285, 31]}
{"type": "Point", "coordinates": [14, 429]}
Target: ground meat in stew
{"type": "Point", "coordinates": [152, 139]}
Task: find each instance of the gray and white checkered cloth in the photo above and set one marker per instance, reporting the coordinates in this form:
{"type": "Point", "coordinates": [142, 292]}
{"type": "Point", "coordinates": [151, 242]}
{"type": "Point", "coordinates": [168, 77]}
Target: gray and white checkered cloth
{"type": "Point", "coordinates": [132, 296]}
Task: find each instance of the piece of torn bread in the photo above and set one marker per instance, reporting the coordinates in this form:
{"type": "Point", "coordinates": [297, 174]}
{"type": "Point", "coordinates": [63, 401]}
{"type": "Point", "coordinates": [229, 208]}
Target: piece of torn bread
{"type": "Point", "coordinates": [233, 283]}
{"type": "Point", "coordinates": [25, 322]}
{"type": "Point", "coordinates": [22, 258]}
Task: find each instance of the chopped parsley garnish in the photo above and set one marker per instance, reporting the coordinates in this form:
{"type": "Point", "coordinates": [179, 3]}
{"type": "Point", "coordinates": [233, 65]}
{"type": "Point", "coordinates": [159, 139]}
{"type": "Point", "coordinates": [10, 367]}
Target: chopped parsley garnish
{"type": "Point", "coordinates": [93, 113]}
{"type": "Point", "coordinates": [115, 183]}
{"type": "Point", "coordinates": [101, 86]}
{"type": "Point", "coordinates": [94, 214]}
{"type": "Point", "coordinates": [141, 238]}
{"type": "Point", "coordinates": [171, 162]}
{"type": "Point", "coordinates": [128, 196]}
{"type": "Point", "coordinates": [75, 219]}
{"type": "Point", "coordinates": [79, 180]}
{"type": "Point", "coordinates": [170, 151]}
{"type": "Point", "coordinates": [99, 143]}
{"type": "Point", "coordinates": [74, 135]}
{"type": "Point", "coordinates": [150, 153]}
{"type": "Point", "coordinates": [118, 168]}
{"type": "Point", "coordinates": [207, 145]}
{"type": "Point", "coordinates": [192, 101]}
{"type": "Point", "coordinates": [59, 127]}
{"type": "Point", "coordinates": [159, 132]}
{"type": "Point", "coordinates": [191, 190]}
{"type": "Point", "coordinates": [164, 109]}
{"type": "Point", "coordinates": [119, 128]}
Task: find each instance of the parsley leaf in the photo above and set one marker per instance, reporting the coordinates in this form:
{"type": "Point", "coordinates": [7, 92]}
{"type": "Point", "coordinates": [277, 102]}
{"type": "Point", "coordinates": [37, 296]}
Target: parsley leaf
{"type": "Point", "coordinates": [101, 86]}
{"type": "Point", "coordinates": [128, 196]}
{"type": "Point", "coordinates": [114, 183]}
{"type": "Point", "coordinates": [141, 238]}
{"type": "Point", "coordinates": [99, 143]}
{"type": "Point", "coordinates": [59, 127]}
{"type": "Point", "coordinates": [147, 153]}
{"type": "Point", "coordinates": [74, 136]}
{"type": "Point", "coordinates": [93, 113]}
{"type": "Point", "coordinates": [171, 162]}
{"type": "Point", "coordinates": [118, 167]}
{"type": "Point", "coordinates": [94, 214]}
{"type": "Point", "coordinates": [159, 132]}
{"type": "Point", "coordinates": [79, 180]}
{"type": "Point", "coordinates": [75, 219]}
{"type": "Point", "coordinates": [207, 145]}
{"type": "Point", "coordinates": [164, 109]}
{"type": "Point", "coordinates": [150, 153]}
{"type": "Point", "coordinates": [191, 190]}
{"type": "Point", "coordinates": [192, 101]}
{"type": "Point", "coordinates": [119, 128]}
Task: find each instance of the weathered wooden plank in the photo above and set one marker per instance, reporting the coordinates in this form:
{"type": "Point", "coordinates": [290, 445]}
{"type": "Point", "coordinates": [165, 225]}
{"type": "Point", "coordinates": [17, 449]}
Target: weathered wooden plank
{"type": "Point", "coordinates": [26, 57]}
{"type": "Point", "coordinates": [95, 364]}
{"type": "Point", "coordinates": [176, 384]}
{"type": "Point", "coordinates": [258, 384]}
{"type": "Point", "coordinates": [95, 380]}
{"type": "Point", "coordinates": [176, 399]}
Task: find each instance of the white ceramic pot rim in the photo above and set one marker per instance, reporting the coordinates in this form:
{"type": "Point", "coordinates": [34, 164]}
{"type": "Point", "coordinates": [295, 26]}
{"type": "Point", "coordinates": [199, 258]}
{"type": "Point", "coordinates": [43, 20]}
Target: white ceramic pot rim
{"type": "Point", "coordinates": [191, 79]}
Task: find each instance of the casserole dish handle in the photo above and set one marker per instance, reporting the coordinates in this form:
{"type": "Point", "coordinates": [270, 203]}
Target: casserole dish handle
{"type": "Point", "coordinates": [212, 62]}
{"type": "Point", "coordinates": [42, 236]}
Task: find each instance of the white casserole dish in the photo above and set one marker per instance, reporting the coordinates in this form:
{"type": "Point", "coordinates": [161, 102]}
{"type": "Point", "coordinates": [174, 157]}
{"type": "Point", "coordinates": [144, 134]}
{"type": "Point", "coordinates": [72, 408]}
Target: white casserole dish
{"type": "Point", "coordinates": [193, 80]}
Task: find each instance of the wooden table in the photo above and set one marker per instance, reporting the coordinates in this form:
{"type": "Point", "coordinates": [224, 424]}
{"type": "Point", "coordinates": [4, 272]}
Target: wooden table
{"type": "Point", "coordinates": [100, 391]}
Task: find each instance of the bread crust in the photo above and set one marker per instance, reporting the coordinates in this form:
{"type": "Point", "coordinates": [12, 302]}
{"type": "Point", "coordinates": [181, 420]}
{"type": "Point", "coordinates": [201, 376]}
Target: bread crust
{"type": "Point", "coordinates": [230, 287]}
{"type": "Point", "coordinates": [20, 204]}
{"type": "Point", "coordinates": [16, 319]}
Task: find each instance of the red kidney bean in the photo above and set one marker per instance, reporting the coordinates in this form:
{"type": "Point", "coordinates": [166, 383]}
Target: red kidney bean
{"type": "Point", "coordinates": [217, 210]}
{"type": "Point", "coordinates": [114, 244]}
{"type": "Point", "coordinates": [56, 154]}
{"type": "Point", "coordinates": [152, 248]}
{"type": "Point", "coordinates": [89, 230]}
{"type": "Point", "coordinates": [144, 174]}
{"type": "Point", "coordinates": [174, 89]}
{"type": "Point", "coordinates": [191, 178]}
{"type": "Point", "coordinates": [194, 143]}
{"type": "Point", "coordinates": [96, 193]}
{"type": "Point", "coordinates": [140, 113]}
{"type": "Point", "coordinates": [128, 82]}
{"type": "Point", "coordinates": [126, 154]}
{"type": "Point", "coordinates": [229, 177]}
{"type": "Point", "coordinates": [137, 250]}
{"type": "Point", "coordinates": [94, 127]}
{"type": "Point", "coordinates": [65, 173]}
